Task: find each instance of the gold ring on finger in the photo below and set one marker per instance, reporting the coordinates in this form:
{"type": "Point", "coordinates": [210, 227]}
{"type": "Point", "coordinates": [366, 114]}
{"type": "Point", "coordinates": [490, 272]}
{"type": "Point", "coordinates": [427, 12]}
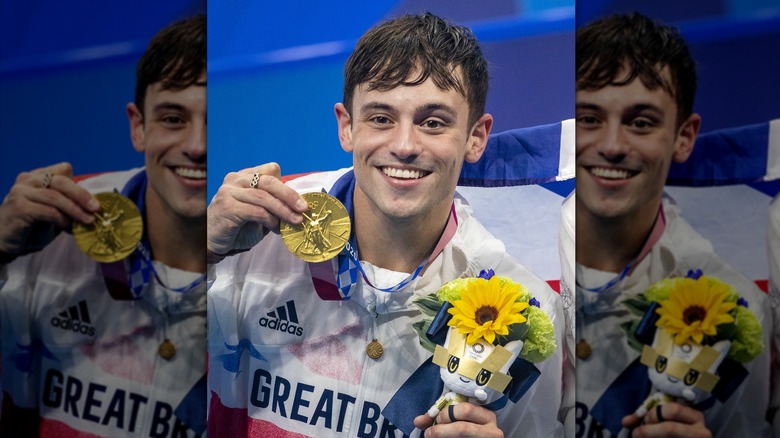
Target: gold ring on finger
{"type": "Point", "coordinates": [46, 180]}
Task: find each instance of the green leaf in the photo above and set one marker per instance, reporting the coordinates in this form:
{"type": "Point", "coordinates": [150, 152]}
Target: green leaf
{"type": "Point", "coordinates": [629, 327]}
{"type": "Point", "coordinates": [421, 327]}
{"type": "Point", "coordinates": [429, 305]}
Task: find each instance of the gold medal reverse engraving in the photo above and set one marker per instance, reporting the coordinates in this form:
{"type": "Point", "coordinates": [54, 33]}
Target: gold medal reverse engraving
{"type": "Point", "coordinates": [324, 231]}
{"type": "Point", "coordinates": [117, 229]}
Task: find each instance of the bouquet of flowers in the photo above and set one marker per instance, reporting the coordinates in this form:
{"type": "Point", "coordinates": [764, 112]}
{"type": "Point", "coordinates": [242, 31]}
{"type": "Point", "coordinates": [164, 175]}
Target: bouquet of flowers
{"type": "Point", "coordinates": [690, 326]}
{"type": "Point", "coordinates": [490, 317]}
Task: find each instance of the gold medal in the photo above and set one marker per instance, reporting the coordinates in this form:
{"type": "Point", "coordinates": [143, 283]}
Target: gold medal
{"type": "Point", "coordinates": [582, 350]}
{"type": "Point", "coordinates": [116, 231]}
{"type": "Point", "coordinates": [166, 350]}
{"type": "Point", "coordinates": [374, 349]}
{"type": "Point", "coordinates": [324, 231]}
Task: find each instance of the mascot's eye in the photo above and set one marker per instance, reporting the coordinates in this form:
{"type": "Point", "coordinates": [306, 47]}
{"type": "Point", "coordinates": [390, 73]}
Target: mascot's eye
{"type": "Point", "coordinates": [483, 377]}
{"type": "Point", "coordinates": [691, 377]}
{"type": "Point", "coordinates": [660, 364]}
{"type": "Point", "coordinates": [452, 364]}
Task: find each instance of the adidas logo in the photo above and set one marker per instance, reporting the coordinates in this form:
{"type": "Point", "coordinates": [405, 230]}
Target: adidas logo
{"type": "Point", "coordinates": [283, 319]}
{"type": "Point", "coordinates": [75, 318]}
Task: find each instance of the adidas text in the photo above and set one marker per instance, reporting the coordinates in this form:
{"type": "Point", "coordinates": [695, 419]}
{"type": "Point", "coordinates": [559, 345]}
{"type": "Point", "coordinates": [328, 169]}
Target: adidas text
{"type": "Point", "coordinates": [76, 326]}
{"type": "Point", "coordinates": [282, 326]}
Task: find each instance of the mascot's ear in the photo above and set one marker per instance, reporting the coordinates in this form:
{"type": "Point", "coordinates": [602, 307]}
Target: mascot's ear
{"type": "Point", "coordinates": [721, 347]}
{"type": "Point", "coordinates": [514, 347]}
{"type": "Point", "coordinates": [447, 339]}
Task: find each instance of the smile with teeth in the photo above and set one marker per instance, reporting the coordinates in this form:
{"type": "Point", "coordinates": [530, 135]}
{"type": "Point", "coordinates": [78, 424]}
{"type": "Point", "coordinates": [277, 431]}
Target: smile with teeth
{"type": "Point", "coordinates": [187, 172]}
{"type": "Point", "coordinates": [605, 173]}
{"type": "Point", "coordinates": [403, 173]}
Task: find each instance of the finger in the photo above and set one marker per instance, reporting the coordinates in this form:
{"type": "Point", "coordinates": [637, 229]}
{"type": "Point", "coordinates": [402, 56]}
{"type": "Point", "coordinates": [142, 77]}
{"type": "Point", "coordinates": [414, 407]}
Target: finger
{"type": "Point", "coordinates": [79, 195]}
{"type": "Point", "coordinates": [278, 199]}
{"type": "Point", "coordinates": [32, 212]}
{"type": "Point", "coordinates": [64, 169]}
{"type": "Point", "coordinates": [466, 412]}
{"type": "Point", "coordinates": [423, 421]}
{"type": "Point", "coordinates": [68, 198]}
{"type": "Point", "coordinates": [630, 421]}
{"type": "Point", "coordinates": [674, 412]}
{"type": "Point", "coordinates": [267, 177]}
{"type": "Point", "coordinates": [672, 429]}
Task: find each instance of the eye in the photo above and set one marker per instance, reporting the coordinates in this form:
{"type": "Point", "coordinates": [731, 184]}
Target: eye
{"type": "Point", "coordinates": [380, 120]}
{"type": "Point", "coordinates": [483, 377]}
{"type": "Point", "coordinates": [452, 364]}
{"type": "Point", "coordinates": [587, 120]}
{"type": "Point", "coordinates": [172, 120]}
{"type": "Point", "coordinates": [432, 124]}
{"type": "Point", "coordinates": [691, 377]}
{"type": "Point", "coordinates": [660, 364]}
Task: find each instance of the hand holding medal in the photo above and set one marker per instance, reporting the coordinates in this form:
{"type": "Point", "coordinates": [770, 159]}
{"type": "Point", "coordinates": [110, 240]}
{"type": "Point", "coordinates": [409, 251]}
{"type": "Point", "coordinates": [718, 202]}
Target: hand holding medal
{"type": "Point", "coordinates": [41, 203]}
{"type": "Point", "coordinates": [248, 205]}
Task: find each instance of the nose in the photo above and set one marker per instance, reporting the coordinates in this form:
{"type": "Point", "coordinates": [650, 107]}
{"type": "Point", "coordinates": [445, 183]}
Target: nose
{"type": "Point", "coordinates": [194, 146]}
{"type": "Point", "coordinates": [613, 144]}
{"type": "Point", "coordinates": [405, 144]}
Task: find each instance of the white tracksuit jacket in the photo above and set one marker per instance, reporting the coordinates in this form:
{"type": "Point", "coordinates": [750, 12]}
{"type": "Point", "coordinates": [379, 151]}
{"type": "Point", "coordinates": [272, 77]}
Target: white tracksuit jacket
{"type": "Point", "coordinates": [80, 361]}
{"type": "Point", "coordinates": [309, 375]}
{"type": "Point", "coordinates": [599, 316]}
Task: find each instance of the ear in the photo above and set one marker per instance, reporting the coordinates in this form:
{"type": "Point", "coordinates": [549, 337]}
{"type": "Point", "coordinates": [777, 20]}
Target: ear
{"type": "Point", "coordinates": [686, 138]}
{"type": "Point", "coordinates": [514, 347]}
{"type": "Point", "coordinates": [723, 348]}
{"type": "Point", "coordinates": [136, 127]}
{"type": "Point", "coordinates": [478, 138]}
{"type": "Point", "coordinates": [447, 339]}
{"type": "Point", "coordinates": [345, 127]}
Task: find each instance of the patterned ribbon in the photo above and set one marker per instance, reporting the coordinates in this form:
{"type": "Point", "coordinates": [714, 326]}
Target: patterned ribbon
{"type": "Point", "coordinates": [348, 261]}
{"type": "Point", "coordinates": [655, 235]}
{"type": "Point", "coordinates": [134, 273]}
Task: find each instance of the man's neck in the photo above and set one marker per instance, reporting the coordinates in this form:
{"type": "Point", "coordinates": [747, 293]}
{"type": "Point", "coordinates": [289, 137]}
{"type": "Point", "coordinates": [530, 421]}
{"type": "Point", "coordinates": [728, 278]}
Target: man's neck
{"type": "Point", "coordinates": [397, 245]}
{"type": "Point", "coordinates": [611, 244]}
{"type": "Point", "coordinates": [175, 242]}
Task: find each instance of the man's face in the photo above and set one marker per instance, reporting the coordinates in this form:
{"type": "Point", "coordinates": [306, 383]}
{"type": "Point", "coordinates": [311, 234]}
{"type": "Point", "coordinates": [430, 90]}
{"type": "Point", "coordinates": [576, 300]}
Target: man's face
{"type": "Point", "coordinates": [408, 146]}
{"type": "Point", "coordinates": [172, 136]}
{"type": "Point", "coordinates": [626, 141]}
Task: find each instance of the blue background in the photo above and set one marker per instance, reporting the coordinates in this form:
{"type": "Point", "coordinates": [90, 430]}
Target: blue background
{"type": "Point", "coordinates": [275, 71]}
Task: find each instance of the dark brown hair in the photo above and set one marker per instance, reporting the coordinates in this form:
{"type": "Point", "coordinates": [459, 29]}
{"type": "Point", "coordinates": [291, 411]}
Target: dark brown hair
{"type": "Point", "coordinates": [176, 57]}
{"type": "Point", "coordinates": [643, 46]}
{"type": "Point", "coordinates": [389, 53]}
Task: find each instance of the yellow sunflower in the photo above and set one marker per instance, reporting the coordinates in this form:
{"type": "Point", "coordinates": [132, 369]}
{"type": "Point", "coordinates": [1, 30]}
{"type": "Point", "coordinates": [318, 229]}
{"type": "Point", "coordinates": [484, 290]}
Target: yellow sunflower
{"type": "Point", "coordinates": [485, 309]}
{"type": "Point", "coordinates": [694, 309]}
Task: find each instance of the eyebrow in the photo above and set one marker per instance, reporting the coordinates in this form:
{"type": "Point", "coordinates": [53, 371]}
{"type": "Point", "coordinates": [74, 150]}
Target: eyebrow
{"type": "Point", "coordinates": [431, 107]}
{"type": "Point", "coordinates": [636, 108]}
{"type": "Point", "coordinates": [587, 105]}
{"type": "Point", "coordinates": [169, 106]}
{"type": "Point", "coordinates": [426, 108]}
{"type": "Point", "coordinates": [376, 106]}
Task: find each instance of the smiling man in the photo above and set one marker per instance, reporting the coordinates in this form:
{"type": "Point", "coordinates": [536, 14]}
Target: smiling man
{"type": "Point", "coordinates": [321, 348]}
{"type": "Point", "coordinates": [635, 89]}
{"type": "Point", "coordinates": [114, 344]}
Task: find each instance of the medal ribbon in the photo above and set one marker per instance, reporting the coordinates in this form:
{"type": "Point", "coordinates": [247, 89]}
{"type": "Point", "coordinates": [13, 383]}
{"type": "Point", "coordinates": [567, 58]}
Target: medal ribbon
{"type": "Point", "coordinates": [348, 261]}
{"type": "Point", "coordinates": [135, 271]}
{"type": "Point", "coordinates": [655, 235]}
